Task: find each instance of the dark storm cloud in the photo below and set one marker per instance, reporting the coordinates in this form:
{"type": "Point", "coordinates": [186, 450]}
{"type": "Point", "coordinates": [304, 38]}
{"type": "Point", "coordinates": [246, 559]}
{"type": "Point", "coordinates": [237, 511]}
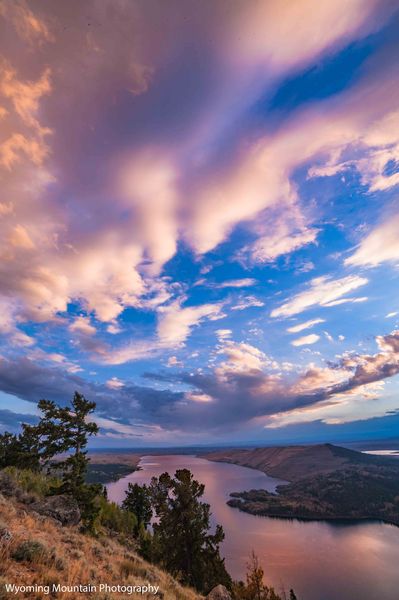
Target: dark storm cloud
{"type": "Point", "coordinates": [224, 399]}
{"type": "Point", "coordinates": [11, 421]}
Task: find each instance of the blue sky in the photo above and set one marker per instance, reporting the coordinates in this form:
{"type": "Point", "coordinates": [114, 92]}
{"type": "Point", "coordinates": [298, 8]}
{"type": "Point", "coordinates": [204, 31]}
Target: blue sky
{"type": "Point", "coordinates": [199, 218]}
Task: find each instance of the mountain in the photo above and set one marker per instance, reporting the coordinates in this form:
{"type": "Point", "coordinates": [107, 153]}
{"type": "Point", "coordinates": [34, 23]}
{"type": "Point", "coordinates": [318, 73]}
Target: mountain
{"type": "Point", "coordinates": [292, 463]}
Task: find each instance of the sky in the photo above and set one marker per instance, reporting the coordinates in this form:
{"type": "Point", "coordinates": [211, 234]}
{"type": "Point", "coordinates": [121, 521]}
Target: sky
{"type": "Point", "coordinates": [199, 217]}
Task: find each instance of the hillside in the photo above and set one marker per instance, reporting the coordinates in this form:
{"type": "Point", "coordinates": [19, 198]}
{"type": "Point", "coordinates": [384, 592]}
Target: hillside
{"type": "Point", "coordinates": [38, 550]}
{"type": "Point", "coordinates": [326, 482]}
{"type": "Point", "coordinates": [295, 462]}
{"type": "Point", "coordinates": [109, 466]}
{"type": "Point", "coordinates": [369, 492]}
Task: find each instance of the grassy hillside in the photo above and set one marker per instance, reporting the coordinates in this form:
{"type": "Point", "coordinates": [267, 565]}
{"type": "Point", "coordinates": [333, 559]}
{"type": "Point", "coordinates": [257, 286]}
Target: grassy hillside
{"type": "Point", "coordinates": [295, 462]}
{"type": "Point", "coordinates": [38, 550]}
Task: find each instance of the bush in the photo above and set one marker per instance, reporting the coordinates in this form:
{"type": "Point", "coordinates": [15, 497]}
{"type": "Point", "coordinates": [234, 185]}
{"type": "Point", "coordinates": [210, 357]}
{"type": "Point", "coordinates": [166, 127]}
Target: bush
{"type": "Point", "coordinates": [114, 518]}
{"type": "Point", "coordinates": [30, 551]}
{"type": "Point", "coordinates": [33, 482]}
{"type": "Point", "coordinates": [128, 568]}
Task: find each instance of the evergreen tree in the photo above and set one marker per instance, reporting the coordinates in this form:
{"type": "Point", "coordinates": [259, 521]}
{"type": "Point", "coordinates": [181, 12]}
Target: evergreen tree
{"type": "Point", "coordinates": [20, 450]}
{"type": "Point", "coordinates": [182, 540]}
{"type": "Point", "coordinates": [138, 501]}
{"type": "Point", "coordinates": [9, 449]}
{"type": "Point", "coordinates": [65, 429]}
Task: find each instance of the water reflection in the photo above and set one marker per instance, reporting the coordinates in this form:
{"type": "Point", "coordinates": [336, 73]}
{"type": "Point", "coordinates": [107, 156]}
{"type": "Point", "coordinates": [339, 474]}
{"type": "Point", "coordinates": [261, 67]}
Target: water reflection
{"type": "Point", "coordinates": [320, 560]}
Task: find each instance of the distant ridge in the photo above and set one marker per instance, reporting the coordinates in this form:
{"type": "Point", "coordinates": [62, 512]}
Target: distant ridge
{"type": "Point", "coordinates": [296, 462]}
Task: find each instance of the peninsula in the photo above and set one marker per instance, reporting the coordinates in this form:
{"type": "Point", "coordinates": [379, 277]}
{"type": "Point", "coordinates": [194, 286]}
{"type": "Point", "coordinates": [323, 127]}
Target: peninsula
{"type": "Point", "coordinates": [324, 482]}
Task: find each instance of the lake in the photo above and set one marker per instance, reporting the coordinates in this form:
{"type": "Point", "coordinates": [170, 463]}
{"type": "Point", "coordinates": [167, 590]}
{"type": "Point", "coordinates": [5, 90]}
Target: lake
{"type": "Point", "coordinates": [320, 560]}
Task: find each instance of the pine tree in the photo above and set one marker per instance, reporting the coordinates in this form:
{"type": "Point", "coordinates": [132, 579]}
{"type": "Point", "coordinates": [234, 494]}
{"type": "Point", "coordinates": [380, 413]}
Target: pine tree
{"type": "Point", "coordinates": [63, 429]}
{"type": "Point", "coordinates": [9, 449]}
{"type": "Point", "coordinates": [182, 539]}
{"type": "Point", "coordinates": [138, 501]}
{"type": "Point", "coordinates": [20, 450]}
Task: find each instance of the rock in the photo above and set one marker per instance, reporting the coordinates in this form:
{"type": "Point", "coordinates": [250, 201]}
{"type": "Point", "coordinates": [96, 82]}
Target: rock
{"type": "Point", "coordinates": [62, 508]}
{"type": "Point", "coordinates": [219, 593]}
{"type": "Point", "coordinates": [5, 535]}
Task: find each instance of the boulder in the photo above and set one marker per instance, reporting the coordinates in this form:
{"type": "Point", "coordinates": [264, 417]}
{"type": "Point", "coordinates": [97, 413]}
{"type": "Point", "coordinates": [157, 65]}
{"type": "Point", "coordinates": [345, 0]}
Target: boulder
{"type": "Point", "coordinates": [62, 508]}
{"type": "Point", "coordinates": [219, 593]}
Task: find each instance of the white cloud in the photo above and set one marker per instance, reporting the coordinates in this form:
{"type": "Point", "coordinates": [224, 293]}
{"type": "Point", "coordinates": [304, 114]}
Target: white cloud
{"type": "Point", "coordinates": [247, 302]}
{"type": "Point", "coordinates": [82, 325]}
{"type": "Point", "coordinates": [174, 362]}
{"type": "Point", "coordinates": [306, 340]}
{"type": "Point", "coordinates": [114, 383]}
{"type": "Point", "coordinates": [175, 322]}
{"type": "Point", "coordinates": [279, 242]}
{"type": "Point", "coordinates": [380, 245]}
{"type": "Point", "coordinates": [237, 283]}
{"type": "Point", "coordinates": [223, 334]}
{"type": "Point", "coordinates": [306, 325]}
{"type": "Point", "coordinates": [322, 291]}
{"type": "Point", "coordinates": [347, 300]}
{"type": "Point", "coordinates": [241, 357]}
{"type": "Point", "coordinates": [392, 314]}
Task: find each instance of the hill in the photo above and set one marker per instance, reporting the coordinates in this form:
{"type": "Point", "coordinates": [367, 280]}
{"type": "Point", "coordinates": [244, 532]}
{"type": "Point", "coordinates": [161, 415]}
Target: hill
{"type": "Point", "coordinates": [296, 462]}
{"type": "Point", "coordinates": [326, 482]}
{"type": "Point", "coordinates": [36, 550]}
{"type": "Point", "coordinates": [370, 492]}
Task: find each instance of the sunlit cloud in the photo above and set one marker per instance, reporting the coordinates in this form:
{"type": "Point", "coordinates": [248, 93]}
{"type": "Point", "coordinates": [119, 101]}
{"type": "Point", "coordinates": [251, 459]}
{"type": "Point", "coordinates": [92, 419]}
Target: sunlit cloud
{"type": "Point", "coordinates": [305, 325]}
{"type": "Point", "coordinates": [147, 220]}
{"type": "Point", "coordinates": [306, 340]}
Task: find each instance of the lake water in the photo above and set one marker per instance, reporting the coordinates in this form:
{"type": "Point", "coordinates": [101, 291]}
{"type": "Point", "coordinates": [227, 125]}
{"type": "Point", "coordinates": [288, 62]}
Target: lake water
{"type": "Point", "coordinates": [320, 560]}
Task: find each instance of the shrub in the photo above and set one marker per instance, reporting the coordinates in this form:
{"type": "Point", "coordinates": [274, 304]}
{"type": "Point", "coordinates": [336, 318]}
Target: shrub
{"type": "Point", "coordinates": [30, 551]}
{"type": "Point", "coordinates": [128, 568]}
{"type": "Point", "coordinates": [33, 482]}
{"type": "Point", "coordinates": [115, 518]}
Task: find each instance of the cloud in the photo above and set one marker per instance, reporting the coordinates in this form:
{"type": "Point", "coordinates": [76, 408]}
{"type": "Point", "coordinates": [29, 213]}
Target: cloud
{"type": "Point", "coordinates": [306, 340]}
{"type": "Point", "coordinates": [82, 325]}
{"type": "Point", "coordinates": [175, 322]}
{"type": "Point", "coordinates": [283, 238]}
{"type": "Point", "coordinates": [95, 206]}
{"type": "Point", "coordinates": [305, 325]}
{"type": "Point", "coordinates": [237, 283]}
{"type": "Point", "coordinates": [245, 387]}
{"type": "Point", "coordinates": [223, 334]}
{"type": "Point", "coordinates": [28, 26]}
{"type": "Point", "coordinates": [241, 357]}
{"type": "Point", "coordinates": [173, 361]}
{"type": "Point", "coordinates": [322, 291]}
{"type": "Point", "coordinates": [247, 302]}
{"type": "Point", "coordinates": [380, 245]}
{"type": "Point", "coordinates": [99, 231]}
{"type": "Point", "coordinates": [114, 383]}
{"type": "Point", "coordinates": [11, 421]}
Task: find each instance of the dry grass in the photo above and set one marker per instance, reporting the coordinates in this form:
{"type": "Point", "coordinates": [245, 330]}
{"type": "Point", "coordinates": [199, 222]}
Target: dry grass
{"type": "Point", "coordinates": [70, 558]}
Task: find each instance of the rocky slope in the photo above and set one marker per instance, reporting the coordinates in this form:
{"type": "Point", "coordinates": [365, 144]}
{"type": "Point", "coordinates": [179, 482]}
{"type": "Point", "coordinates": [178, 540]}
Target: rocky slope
{"type": "Point", "coordinates": [37, 550]}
